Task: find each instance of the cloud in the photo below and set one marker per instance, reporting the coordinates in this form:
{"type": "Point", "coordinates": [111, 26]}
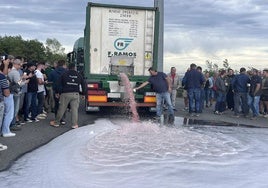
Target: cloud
{"type": "Point", "coordinates": [199, 30]}
{"type": "Point", "coordinates": [195, 30]}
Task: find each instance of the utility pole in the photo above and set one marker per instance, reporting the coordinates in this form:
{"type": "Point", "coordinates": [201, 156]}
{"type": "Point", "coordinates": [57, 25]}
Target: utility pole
{"type": "Point", "coordinates": [160, 5]}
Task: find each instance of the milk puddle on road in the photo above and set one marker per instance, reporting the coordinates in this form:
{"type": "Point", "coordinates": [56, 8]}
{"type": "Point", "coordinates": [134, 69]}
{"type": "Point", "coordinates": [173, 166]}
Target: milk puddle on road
{"type": "Point", "coordinates": [117, 153]}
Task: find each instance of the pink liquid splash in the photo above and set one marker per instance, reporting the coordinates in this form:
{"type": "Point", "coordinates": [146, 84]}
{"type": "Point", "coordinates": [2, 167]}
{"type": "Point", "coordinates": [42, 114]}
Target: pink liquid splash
{"type": "Point", "coordinates": [130, 95]}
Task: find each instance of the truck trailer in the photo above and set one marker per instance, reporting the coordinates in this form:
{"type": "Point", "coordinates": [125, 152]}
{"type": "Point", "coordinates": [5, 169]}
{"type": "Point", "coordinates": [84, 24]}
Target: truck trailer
{"type": "Point", "coordinates": [119, 39]}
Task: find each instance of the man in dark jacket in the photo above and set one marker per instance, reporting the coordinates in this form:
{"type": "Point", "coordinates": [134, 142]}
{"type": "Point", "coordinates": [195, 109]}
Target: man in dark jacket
{"type": "Point", "coordinates": [69, 88]}
{"type": "Point", "coordinates": [220, 93]}
{"type": "Point", "coordinates": [53, 77]}
{"type": "Point", "coordinates": [193, 81]}
{"type": "Point", "coordinates": [254, 93]}
{"type": "Point", "coordinates": [240, 87]}
{"type": "Point", "coordinates": [31, 95]}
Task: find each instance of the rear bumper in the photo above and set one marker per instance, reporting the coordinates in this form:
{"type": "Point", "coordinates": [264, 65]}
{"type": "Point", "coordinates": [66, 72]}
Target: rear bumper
{"type": "Point", "coordinates": [120, 104]}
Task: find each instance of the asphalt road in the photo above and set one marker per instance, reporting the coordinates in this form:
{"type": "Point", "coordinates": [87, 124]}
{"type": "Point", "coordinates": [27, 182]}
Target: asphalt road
{"type": "Point", "coordinates": [34, 135]}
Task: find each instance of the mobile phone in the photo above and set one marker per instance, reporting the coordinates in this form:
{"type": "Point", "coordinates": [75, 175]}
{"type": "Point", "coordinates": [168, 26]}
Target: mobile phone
{"type": "Point", "coordinates": [4, 57]}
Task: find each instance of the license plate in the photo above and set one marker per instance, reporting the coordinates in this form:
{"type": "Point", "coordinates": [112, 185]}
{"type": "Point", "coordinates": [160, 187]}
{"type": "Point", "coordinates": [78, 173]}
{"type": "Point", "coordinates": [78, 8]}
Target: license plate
{"type": "Point", "coordinates": [150, 94]}
{"type": "Point", "coordinates": [114, 95]}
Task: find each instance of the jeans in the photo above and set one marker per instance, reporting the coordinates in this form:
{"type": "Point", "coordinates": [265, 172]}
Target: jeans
{"type": "Point", "coordinates": [208, 95]}
{"type": "Point", "coordinates": [253, 103]}
{"type": "Point", "coordinates": [244, 103]}
{"type": "Point", "coordinates": [220, 101]}
{"type": "Point", "coordinates": [202, 99]}
{"type": "Point", "coordinates": [40, 102]}
{"type": "Point", "coordinates": [8, 113]}
{"type": "Point", "coordinates": [16, 99]}
{"type": "Point", "coordinates": [2, 109]}
{"type": "Point", "coordinates": [230, 99]}
{"type": "Point", "coordinates": [30, 105]}
{"type": "Point", "coordinates": [160, 99]}
{"type": "Point", "coordinates": [194, 100]}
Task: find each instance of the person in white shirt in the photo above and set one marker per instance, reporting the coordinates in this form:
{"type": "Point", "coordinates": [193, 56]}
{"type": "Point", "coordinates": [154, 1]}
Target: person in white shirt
{"type": "Point", "coordinates": [41, 90]}
{"type": "Point", "coordinates": [174, 79]}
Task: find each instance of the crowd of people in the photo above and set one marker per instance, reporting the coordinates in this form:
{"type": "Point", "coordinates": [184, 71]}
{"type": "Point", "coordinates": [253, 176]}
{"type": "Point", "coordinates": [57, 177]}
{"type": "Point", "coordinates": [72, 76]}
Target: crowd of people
{"type": "Point", "coordinates": [29, 90]}
{"type": "Point", "coordinates": [245, 93]}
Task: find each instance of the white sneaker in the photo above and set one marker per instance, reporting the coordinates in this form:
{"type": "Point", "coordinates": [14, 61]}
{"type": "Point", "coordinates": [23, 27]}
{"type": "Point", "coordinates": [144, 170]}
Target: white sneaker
{"type": "Point", "coordinates": [36, 120]}
{"type": "Point", "coordinates": [10, 134]}
{"type": "Point", "coordinates": [28, 120]}
{"type": "Point", "coordinates": [2, 147]}
{"type": "Point", "coordinates": [40, 117]}
{"type": "Point", "coordinates": [44, 115]}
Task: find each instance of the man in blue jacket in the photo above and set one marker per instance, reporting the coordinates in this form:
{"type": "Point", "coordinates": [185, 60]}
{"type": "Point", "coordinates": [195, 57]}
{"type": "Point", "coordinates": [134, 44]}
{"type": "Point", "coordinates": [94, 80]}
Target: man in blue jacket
{"type": "Point", "coordinates": [241, 83]}
{"type": "Point", "coordinates": [193, 81]}
{"type": "Point", "coordinates": [53, 77]}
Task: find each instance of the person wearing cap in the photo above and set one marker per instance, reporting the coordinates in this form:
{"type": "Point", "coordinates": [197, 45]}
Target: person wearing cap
{"type": "Point", "coordinates": [254, 93]}
{"type": "Point", "coordinates": [240, 85]}
{"type": "Point", "coordinates": [162, 86]}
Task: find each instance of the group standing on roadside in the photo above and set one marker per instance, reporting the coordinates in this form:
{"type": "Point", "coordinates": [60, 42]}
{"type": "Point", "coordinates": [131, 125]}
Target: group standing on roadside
{"type": "Point", "coordinates": [30, 88]}
{"type": "Point", "coordinates": [245, 93]}
{"type": "Point", "coordinates": [241, 93]}
{"type": "Point", "coordinates": [23, 93]}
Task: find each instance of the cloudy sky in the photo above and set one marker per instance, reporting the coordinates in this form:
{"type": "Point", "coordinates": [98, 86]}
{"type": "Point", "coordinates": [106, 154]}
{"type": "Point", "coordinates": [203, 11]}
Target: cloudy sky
{"type": "Point", "coordinates": [194, 31]}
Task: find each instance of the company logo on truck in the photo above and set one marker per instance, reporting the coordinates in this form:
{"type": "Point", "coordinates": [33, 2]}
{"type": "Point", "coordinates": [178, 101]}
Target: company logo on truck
{"type": "Point", "coordinates": [122, 43]}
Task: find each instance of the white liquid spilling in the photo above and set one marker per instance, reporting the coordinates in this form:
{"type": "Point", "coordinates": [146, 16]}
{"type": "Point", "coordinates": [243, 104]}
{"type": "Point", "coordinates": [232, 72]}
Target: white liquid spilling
{"type": "Point", "coordinates": [123, 154]}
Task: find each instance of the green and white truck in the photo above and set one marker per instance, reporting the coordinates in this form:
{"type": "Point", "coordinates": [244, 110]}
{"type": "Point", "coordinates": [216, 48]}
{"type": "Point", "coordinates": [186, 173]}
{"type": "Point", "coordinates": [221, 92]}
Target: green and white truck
{"type": "Point", "coordinates": [119, 39]}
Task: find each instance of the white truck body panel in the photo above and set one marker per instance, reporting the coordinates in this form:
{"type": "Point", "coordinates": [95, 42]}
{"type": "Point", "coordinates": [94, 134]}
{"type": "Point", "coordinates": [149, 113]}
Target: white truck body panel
{"type": "Point", "coordinates": [121, 31]}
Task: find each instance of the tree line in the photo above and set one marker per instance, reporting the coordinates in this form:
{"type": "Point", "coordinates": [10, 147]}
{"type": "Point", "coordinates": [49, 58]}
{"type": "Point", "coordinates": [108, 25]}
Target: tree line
{"type": "Point", "coordinates": [51, 51]}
